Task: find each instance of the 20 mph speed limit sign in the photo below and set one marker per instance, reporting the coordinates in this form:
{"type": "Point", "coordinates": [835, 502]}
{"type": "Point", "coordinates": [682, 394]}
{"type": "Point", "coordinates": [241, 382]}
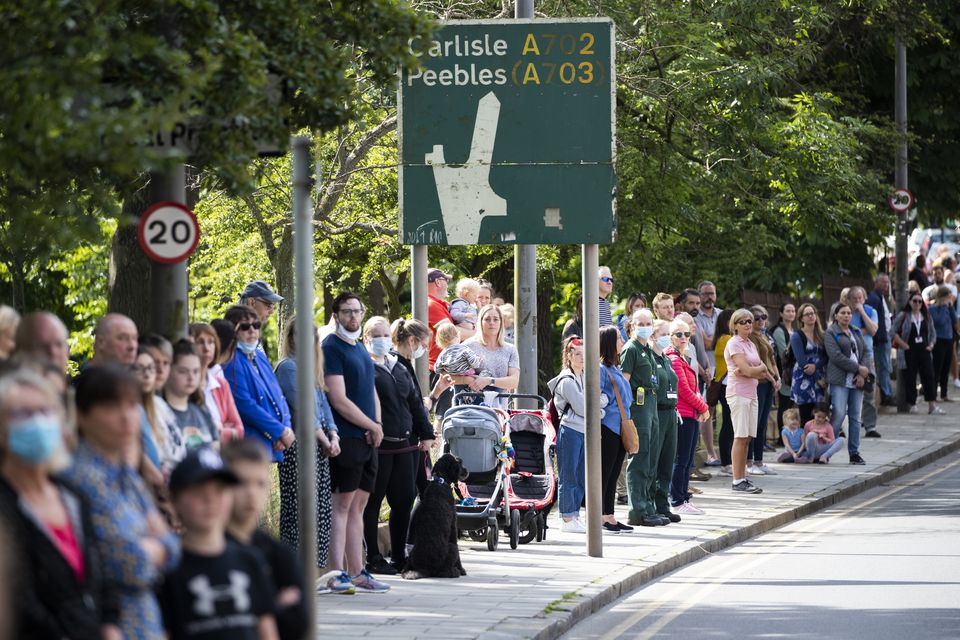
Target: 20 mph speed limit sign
{"type": "Point", "coordinates": [168, 232]}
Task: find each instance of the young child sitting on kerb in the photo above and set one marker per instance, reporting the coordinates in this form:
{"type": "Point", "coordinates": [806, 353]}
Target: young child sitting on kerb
{"type": "Point", "coordinates": [792, 436]}
{"type": "Point", "coordinates": [818, 436]}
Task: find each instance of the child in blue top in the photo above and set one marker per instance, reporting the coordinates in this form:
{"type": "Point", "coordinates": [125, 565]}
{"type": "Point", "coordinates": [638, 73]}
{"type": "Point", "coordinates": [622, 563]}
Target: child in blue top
{"type": "Point", "coordinates": [612, 452]}
{"type": "Point", "coordinates": [793, 440]}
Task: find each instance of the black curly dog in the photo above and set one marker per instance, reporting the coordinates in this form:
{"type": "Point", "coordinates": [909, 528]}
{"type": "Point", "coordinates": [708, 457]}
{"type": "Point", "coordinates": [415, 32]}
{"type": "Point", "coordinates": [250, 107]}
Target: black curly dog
{"type": "Point", "coordinates": [433, 530]}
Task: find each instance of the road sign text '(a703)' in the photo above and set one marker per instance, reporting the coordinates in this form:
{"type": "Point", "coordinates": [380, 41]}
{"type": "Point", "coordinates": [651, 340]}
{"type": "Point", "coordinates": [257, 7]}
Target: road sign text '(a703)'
{"type": "Point", "coordinates": [507, 134]}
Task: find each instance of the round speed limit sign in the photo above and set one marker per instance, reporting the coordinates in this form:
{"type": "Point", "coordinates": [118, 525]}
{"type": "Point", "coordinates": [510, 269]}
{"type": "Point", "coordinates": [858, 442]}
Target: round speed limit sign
{"type": "Point", "coordinates": [168, 232]}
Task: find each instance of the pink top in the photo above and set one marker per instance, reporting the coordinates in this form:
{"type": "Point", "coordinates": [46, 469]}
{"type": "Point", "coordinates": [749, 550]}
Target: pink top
{"type": "Point", "coordinates": [824, 432]}
{"type": "Point", "coordinates": [69, 548]}
{"type": "Point", "coordinates": [738, 385]}
{"type": "Point", "coordinates": [229, 416]}
{"type": "Point", "coordinates": [689, 402]}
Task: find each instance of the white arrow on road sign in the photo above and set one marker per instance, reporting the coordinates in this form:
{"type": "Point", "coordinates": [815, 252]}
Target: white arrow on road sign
{"type": "Point", "coordinates": [900, 200]}
{"type": "Point", "coordinates": [168, 232]}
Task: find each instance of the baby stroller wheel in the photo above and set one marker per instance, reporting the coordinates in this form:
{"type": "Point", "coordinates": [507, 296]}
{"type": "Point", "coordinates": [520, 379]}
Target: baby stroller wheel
{"type": "Point", "coordinates": [514, 528]}
{"type": "Point", "coordinates": [493, 536]}
{"type": "Point", "coordinates": [531, 531]}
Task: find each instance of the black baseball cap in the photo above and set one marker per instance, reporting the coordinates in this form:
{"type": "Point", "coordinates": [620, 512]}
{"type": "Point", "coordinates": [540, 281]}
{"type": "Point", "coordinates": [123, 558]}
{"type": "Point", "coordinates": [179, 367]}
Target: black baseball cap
{"type": "Point", "coordinates": [260, 289]}
{"type": "Point", "coordinates": [436, 274]}
{"type": "Point", "coordinates": [199, 466]}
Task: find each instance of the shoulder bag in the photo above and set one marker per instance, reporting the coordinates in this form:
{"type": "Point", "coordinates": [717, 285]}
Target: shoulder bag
{"type": "Point", "coordinates": [628, 431]}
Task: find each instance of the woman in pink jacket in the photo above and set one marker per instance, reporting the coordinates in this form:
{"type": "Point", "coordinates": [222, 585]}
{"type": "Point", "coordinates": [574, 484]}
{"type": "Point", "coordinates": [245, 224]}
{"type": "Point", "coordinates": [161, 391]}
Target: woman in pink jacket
{"type": "Point", "coordinates": [217, 392]}
{"type": "Point", "coordinates": [693, 410]}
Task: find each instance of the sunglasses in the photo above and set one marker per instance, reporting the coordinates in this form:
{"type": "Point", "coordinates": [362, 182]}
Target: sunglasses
{"type": "Point", "coordinates": [246, 326]}
{"type": "Point", "coordinates": [809, 313]}
{"type": "Point", "coordinates": [744, 321]}
{"type": "Point", "coordinates": [607, 280]}
{"type": "Point", "coordinates": [916, 301]}
{"type": "Point", "coordinates": [682, 334]}
{"type": "Point", "coordinates": [760, 317]}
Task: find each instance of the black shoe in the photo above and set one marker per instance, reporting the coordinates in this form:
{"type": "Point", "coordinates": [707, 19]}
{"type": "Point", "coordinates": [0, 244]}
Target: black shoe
{"type": "Point", "coordinates": [611, 528]}
{"type": "Point", "coordinates": [380, 565]}
{"type": "Point", "coordinates": [624, 528]}
{"type": "Point", "coordinates": [672, 517]}
{"type": "Point", "coordinates": [856, 459]}
{"type": "Point", "coordinates": [888, 401]}
{"type": "Point", "coordinates": [400, 566]}
{"type": "Point", "coordinates": [664, 520]}
{"type": "Point", "coordinates": [872, 434]}
{"type": "Point", "coordinates": [649, 520]}
{"type": "Point", "coordinates": [621, 499]}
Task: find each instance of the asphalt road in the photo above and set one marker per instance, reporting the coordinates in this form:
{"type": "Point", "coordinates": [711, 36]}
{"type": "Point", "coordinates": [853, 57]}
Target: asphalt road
{"type": "Point", "coordinates": [884, 565]}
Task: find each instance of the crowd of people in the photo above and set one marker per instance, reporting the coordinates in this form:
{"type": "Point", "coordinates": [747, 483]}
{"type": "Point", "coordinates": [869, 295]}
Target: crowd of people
{"type": "Point", "coordinates": [132, 493]}
{"type": "Point", "coordinates": [673, 370]}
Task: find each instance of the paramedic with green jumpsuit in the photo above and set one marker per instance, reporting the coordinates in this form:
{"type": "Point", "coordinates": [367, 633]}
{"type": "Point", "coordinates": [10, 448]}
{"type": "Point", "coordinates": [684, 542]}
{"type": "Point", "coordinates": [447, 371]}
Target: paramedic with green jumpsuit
{"type": "Point", "coordinates": [665, 440]}
{"type": "Point", "coordinates": [639, 368]}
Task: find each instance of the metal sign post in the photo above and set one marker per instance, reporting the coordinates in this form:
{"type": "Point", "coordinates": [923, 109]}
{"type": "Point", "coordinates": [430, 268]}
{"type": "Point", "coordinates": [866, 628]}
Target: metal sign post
{"type": "Point", "coordinates": [591, 387]}
{"type": "Point", "coordinates": [418, 294]}
{"type": "Point", "coordinates": [900, 107]}
{"type": "Point", "coordinates": [306, 373]}
{"type": "Point", "coordinates": [168, 280]}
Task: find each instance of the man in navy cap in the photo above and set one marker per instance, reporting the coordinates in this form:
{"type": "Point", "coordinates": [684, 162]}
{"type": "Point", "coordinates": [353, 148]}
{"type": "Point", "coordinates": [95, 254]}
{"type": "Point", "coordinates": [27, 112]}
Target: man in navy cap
{"type": "Point", "coordinates": [261, 297]}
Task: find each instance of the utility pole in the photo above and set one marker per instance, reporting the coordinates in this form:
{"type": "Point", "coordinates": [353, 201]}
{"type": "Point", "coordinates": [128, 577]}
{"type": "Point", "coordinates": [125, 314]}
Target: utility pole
{"type": "Point", "coordinates": [168, 282]}
{"type": "Point", "coordinates": [418, 295]}
{"type": "Point", "coordinates": [306, 372]}
{"type": "Point", "coordinates": [900, 112]}
{"type": "Point", "coordinates": [525, 284]}
{"type": "Point", "coordinates": [591, 387]}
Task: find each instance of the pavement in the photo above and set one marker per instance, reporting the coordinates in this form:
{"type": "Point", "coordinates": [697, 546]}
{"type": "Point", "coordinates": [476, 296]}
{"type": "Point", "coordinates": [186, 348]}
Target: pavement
{"type": "Point", "coordinates": [541, 590]}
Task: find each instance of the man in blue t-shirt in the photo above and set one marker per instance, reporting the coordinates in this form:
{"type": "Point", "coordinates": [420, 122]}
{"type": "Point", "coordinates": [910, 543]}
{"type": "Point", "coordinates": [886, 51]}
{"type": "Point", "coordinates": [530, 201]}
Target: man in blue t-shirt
{"type": "Point", "coordinates": [865, 319]}
{"type": "Point", "coordinates": [349, 377]}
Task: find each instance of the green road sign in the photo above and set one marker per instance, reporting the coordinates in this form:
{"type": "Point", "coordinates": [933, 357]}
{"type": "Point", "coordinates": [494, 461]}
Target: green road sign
{"type": "Point", "coordinates": [507, 134]}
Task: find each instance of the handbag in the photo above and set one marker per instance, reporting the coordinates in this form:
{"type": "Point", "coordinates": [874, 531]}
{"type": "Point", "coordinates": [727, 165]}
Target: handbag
{"type": "Point", "coordinates": [628, 431]}
{"type": "Point", "coordinates": [713, 392]}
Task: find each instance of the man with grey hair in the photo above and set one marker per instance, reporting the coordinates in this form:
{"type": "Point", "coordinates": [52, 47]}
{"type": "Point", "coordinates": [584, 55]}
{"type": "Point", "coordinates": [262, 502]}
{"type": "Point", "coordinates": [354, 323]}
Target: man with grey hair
{"type": "Point", "coordinates": [606, 288]}
{"type": "Point", "coordinates": [41, 335]}
{"type": "Point", "coordinates": [866, 319]}
{"type": "Point", "coordinates": [114, 341]}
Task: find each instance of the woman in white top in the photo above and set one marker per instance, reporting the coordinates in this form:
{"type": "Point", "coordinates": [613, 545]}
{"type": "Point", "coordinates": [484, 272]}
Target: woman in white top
{"type": "Point", "coordinates": [501, 362]}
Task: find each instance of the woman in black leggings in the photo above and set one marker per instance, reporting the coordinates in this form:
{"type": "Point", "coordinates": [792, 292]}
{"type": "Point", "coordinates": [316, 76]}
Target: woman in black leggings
{"type": "Point", "coordinates": [406, 432]}
{"type": "Point", "coordinates": [725, 442]}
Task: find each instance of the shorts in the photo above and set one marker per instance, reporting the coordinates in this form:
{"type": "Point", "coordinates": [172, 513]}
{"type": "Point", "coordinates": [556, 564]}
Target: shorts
{"type": "Point", "coordinates": [355, 467]}
{"type": "Point", "coordinates": [743, 415]}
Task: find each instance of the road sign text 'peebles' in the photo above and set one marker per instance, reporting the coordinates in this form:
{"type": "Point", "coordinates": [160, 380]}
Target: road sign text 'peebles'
{"type": "Point", "coordinates": [507, 134]}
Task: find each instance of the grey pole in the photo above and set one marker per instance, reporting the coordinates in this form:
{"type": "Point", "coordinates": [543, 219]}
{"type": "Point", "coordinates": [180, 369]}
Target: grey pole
{"type": "Point", "coordinates": [418, 293]}
{"type": "Point", "coordinates": [525, 285]}
{"type": "Point", "coordinates": [900, 110]}
{"type": "Point", "coordinates": [168, 282]}
{"type": "Point", "coordinates": [591, 386]}
{"type": "Point", "coordinates": [306, 374]}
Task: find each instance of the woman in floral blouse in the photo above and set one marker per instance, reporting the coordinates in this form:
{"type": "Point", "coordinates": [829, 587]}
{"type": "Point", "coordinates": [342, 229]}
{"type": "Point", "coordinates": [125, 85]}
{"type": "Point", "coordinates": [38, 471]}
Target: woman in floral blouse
{"type": "Point", "coordinates": [136, 546]}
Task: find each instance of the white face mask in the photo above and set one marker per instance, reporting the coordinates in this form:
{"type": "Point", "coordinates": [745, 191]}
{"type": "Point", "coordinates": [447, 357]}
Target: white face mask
{"type": "Point", "coordinates": [380, 346]}
{"type": "Point", "coordinates": [349, 335]}
{"type": "Point", "coordinates": [419, 351]}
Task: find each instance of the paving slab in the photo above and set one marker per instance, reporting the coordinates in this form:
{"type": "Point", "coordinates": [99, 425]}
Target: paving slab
{"type": "Point", "coordinates": [541, 589]}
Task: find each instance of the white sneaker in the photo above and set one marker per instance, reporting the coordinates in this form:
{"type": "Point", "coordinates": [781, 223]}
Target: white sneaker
{"type": "Point", "coordinates": [688, 509]}
{"type": "Point", "coordinates": [767, 471]}
{"type": "Point", "coordinates": [754, 470]}
{"type": "Point", "coordinates": [573, 526]}
{"type": "Point", "coordinates": [956, 383]}
{"type": "Point", "coordinates": [725, 471]}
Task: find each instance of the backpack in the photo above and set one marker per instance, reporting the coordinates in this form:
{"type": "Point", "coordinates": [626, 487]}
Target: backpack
{"type": "Point", "coordinates": [552, 411]}
{"type": "Point", "coordinates": [789, 359]}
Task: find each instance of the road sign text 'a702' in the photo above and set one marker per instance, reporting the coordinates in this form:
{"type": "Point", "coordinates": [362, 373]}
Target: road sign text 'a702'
{"type": "Point", "coordinates": [507, 134]}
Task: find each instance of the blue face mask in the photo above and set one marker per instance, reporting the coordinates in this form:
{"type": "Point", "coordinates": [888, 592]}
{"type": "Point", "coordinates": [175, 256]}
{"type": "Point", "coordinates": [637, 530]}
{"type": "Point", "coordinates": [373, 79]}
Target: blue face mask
{"type": "Point", "coordinates": [643, 333]}
{"type": "Point", "coordinates": [663, 342]}
{"type": "Point", "coordinates": [35, 439]}
{"type": "Point", "coordinates": [380, 346]}
{"type": "Point", "coordinates": [248, 348]}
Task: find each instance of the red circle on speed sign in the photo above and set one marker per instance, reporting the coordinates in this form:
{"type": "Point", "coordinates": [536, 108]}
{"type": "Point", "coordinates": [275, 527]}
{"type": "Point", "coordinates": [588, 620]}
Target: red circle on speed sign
{"type": "Point", "coordinates": [900, 200]}
{"type": "Point", "coordinates": [168, 232]}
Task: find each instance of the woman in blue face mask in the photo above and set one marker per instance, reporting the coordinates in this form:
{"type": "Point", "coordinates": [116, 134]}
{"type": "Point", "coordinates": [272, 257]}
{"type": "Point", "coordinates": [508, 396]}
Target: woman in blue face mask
{"type": "Point", "coordinates": [59, 590]}
{"type": "Point", "coordinates": [256, 390]}
{"type": "Point", "coordinates": [406, 433]}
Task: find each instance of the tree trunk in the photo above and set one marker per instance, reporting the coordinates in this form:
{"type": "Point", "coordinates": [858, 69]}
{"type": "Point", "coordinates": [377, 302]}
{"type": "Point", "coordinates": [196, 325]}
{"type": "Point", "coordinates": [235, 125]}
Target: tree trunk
{"type": "Point", "coordinates": [129, 266]}
{"type": "Point", "coordinates": [545, 326]}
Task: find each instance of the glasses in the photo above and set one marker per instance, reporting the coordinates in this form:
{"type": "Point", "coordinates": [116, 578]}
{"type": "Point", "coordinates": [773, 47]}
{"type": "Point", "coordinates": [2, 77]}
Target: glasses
{"type": "Point", "coordinates": [916, 301]}
{"type": "Point", "coordinates": [246, 326]}
{"type": "Point", "coordinates": [146, 369]}
{"type": "Point", "coordinates": [762, 316]}
{"type": "Point", "coordinates": [682, 334]}
{"type": "Point", "coordinates": [351, 312]}
{"type": "Point", "coordinates": [607, 280]}
{"type": "Point", "coordinates": [807, 314]}
{"type": "Point", "coordinates": [744, 321]}
{"type": "Point", "coordinates": [266, 302]}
